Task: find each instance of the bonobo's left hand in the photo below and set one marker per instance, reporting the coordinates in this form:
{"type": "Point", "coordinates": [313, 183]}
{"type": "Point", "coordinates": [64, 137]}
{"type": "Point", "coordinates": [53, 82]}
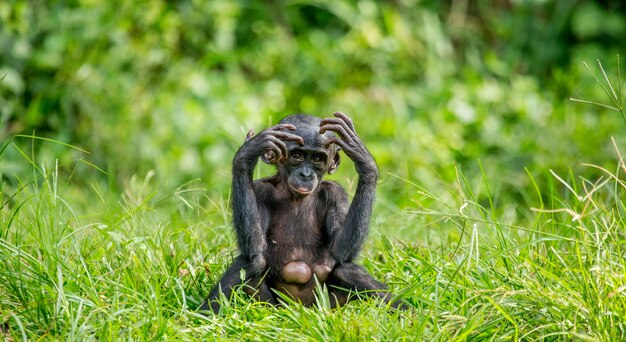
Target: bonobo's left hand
{"type": "Point", "coordinates": [351, 144]}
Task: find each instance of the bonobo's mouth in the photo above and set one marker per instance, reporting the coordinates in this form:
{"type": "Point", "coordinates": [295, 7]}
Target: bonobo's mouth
{"type": "Point", "coordinates": [301, 190]}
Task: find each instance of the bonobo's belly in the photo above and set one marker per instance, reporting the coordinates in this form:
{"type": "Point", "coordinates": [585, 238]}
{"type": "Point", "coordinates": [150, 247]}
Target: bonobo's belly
{"type": "Point", "coordinates": [298, 280]}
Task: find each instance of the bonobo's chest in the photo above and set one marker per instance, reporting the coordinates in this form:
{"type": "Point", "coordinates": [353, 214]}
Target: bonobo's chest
{"type": "Point", "coordinates": [296, 225]}
{"type": "Point", "coordinates": [296, 231]}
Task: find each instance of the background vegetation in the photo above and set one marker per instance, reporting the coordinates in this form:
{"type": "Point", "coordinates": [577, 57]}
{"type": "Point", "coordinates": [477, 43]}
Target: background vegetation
{"type": "Point", "coordinates": [501, 202]}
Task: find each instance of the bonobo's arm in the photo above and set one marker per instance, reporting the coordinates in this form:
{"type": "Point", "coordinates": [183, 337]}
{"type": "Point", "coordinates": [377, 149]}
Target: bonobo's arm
{"type": "Point", "coordinates": [346, 240]}
{"type": "Point", "coordinates": [246, 216]}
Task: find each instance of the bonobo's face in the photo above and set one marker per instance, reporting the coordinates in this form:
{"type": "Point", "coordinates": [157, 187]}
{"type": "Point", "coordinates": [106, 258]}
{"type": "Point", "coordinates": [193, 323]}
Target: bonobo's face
{"type": "Point", "coordinates": [305, 168]}
{"type": "Point", "coordinates": [306, 164]}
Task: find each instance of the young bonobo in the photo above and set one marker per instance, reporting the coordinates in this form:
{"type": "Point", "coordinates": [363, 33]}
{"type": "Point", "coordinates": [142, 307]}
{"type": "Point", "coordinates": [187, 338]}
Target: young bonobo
{"type": "Point", "coordinates": [295, 228]}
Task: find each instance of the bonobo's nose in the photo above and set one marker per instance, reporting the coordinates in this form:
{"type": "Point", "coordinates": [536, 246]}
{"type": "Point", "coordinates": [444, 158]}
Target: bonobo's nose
{"type": "Point", "coordinates": [306, 173]}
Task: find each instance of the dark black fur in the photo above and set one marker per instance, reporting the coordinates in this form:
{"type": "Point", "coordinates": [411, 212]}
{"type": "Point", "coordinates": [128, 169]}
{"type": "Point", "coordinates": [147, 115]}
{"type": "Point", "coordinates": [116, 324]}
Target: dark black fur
{"type": "Point", "coordinates": [297, 216]}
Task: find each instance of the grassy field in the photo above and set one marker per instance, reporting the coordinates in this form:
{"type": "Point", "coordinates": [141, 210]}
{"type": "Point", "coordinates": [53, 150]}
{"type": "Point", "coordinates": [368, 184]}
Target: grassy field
{"type": "Point", "coordinates": [137, 264]}
{"type": "Point", "coordinates": [501, 203]}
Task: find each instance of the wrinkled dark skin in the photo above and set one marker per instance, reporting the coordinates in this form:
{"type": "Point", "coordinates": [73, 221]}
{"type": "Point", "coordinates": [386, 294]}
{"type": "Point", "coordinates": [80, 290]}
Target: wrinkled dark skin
{"type": "Point", "coordinates": [295, 229]}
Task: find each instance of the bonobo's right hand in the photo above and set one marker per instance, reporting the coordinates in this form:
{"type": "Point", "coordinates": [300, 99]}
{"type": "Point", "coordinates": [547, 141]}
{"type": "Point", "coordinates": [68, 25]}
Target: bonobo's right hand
{"type": "Point", "coordinates": [269, 145]}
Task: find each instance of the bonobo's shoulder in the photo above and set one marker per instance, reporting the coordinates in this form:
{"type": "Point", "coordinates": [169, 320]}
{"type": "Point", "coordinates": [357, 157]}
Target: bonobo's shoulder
{"type": "Point", "coordinates": [331, 189]}
{"type": "Point", "coordinates": [328, 184]}
{"type": "Point", "coordinates": [265, 184]}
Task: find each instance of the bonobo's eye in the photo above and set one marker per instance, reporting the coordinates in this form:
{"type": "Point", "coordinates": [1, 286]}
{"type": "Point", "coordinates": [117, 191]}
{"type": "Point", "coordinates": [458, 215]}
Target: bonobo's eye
{"type": "Point", "coordinates": [318, 158]}
{"type": "Point", "coordinates": [297, 156]}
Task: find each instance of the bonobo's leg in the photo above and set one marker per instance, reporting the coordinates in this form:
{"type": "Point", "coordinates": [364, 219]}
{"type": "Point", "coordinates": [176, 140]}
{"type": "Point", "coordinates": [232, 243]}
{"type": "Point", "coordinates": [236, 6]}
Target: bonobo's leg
{"type": "Point", "coordinates": [254, 286]}
{"type": "Point", "coordinates": [346, 280]}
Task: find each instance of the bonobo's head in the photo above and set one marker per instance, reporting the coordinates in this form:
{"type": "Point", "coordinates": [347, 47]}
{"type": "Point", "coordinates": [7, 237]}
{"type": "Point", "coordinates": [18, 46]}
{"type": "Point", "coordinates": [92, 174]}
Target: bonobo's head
{"type": "Point", "coordinates": [306, 164]}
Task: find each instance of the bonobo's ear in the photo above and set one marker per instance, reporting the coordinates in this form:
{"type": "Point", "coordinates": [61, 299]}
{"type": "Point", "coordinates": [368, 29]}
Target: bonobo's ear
{"type": "Point", "coordinates": [334, 163]}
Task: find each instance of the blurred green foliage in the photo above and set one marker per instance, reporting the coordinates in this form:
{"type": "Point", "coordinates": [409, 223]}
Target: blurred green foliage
{"type": "Point", "coordinates": [464, 104]}
{"type": "Point", "coordinates": [173, 86]}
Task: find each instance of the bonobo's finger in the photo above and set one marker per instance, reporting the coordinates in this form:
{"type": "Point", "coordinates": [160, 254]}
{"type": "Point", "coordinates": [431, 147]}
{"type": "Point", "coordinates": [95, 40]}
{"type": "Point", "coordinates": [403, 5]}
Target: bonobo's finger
{"type": "Point", "coordinates": [288, 136]}
{"type": "Point", "coordinates": [279, 145]}
{"type": "Point", "coordinates": [285, 135]}
{"type": "Point", "coordinates": [249, 135]}
{"type": "Point", "coordinates": [336, 121]}
{"type": "Point", "coordinates": [340, 122]}
{"type": "Point", "coordinates": [284, 126]}
{"type": "Point", "coordinates": [345, 118]}
{"type": "Point", "coordinates": [337, 128]}
{"type": "Point", "coordinates": [336, 141]}
{"type": "Point", "coordinates": [272, 154]}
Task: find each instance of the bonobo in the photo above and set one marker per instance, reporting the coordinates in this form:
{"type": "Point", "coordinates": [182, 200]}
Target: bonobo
{"type": "Point", "coordinates": [294, 228]}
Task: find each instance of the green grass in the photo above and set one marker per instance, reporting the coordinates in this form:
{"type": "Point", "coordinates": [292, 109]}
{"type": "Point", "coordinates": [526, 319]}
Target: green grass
{"type": "Point", "coordinates": [88, 263]}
